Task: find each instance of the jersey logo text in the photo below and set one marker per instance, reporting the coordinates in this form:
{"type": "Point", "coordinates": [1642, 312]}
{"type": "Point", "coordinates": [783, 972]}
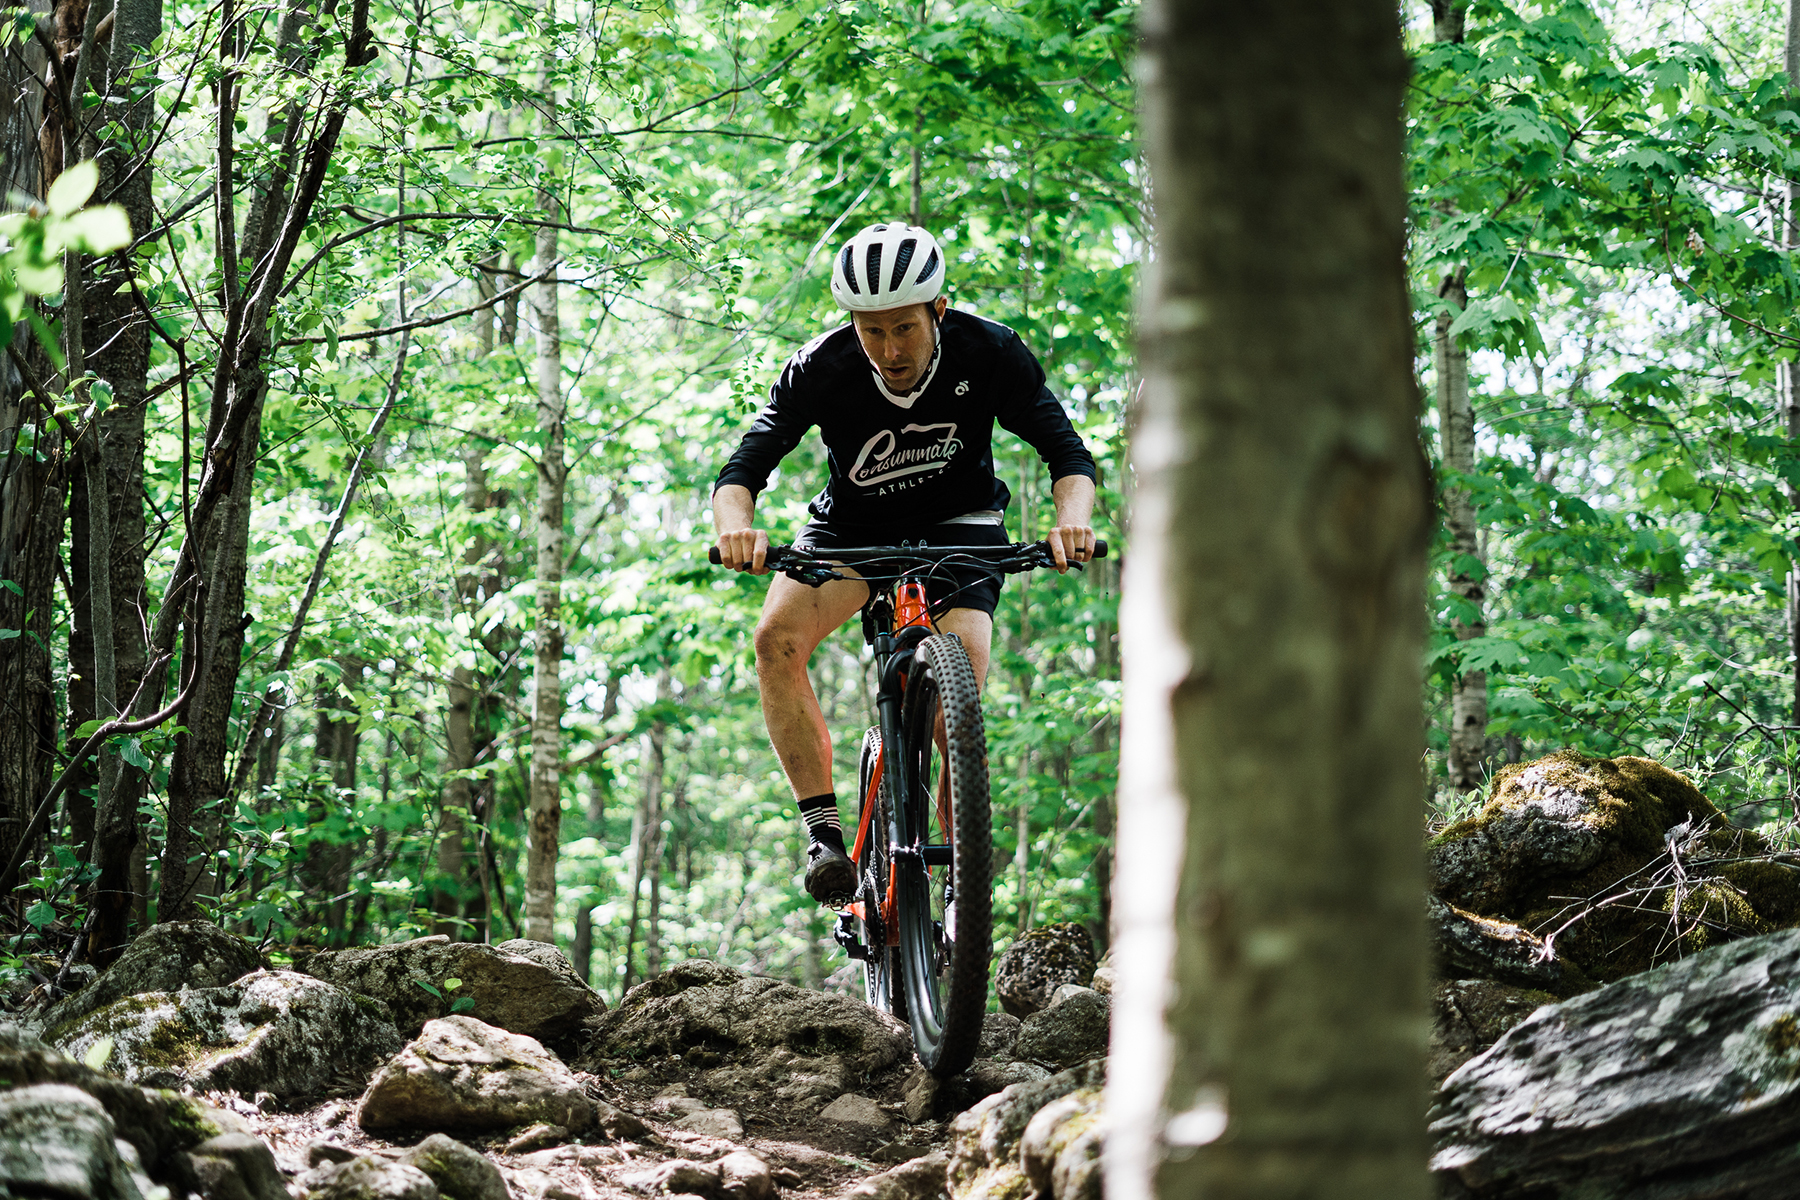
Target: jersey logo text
{"type": "Point", "coordinates": [888, 456]}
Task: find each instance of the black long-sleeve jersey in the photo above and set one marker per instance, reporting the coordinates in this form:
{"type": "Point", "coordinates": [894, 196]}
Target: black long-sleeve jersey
{"type": "Point", "coordinates": [918, 463]}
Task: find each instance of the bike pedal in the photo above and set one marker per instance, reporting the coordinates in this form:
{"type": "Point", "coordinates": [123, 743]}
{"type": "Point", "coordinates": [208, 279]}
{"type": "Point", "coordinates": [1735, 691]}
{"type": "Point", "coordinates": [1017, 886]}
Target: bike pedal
{"type": "Point", "coordinates": [844, 934]}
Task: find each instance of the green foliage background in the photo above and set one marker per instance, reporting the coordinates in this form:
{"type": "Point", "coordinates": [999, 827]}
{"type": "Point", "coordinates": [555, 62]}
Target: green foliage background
{"type": "Point", "coordinates": [1611, 178]}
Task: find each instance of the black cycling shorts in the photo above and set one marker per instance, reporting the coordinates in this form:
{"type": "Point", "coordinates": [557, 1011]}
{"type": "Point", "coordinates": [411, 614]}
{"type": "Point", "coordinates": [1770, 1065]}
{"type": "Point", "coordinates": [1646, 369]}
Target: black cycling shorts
{"type": "Point", "coordinates": [950, 585]}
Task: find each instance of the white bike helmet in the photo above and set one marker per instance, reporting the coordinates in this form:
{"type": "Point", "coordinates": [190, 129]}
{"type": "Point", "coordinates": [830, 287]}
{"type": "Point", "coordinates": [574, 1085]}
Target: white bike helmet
{"type": "Point", "coordinates": [887, 266]}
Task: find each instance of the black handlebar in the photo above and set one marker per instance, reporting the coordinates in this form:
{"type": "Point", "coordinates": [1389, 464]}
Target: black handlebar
{"type": "Point", "coordinates": [782, 556]}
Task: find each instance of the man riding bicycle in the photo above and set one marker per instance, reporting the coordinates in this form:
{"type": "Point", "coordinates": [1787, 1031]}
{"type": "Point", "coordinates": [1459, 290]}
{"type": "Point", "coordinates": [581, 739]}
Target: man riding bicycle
{"type": "Point", "coordinates": [905, 397]}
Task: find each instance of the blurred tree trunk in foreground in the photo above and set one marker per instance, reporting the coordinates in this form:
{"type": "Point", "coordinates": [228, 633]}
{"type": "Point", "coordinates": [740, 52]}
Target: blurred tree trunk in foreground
{"type": "Point", "coordinates": [1269, 1039]}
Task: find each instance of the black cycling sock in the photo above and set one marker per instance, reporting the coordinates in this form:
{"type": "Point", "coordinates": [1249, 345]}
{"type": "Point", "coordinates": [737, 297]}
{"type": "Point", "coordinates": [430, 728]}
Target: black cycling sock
{"type": "Point", "coordinates": [821, 816]}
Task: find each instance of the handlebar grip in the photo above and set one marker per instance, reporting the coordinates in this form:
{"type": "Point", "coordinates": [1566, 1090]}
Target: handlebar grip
{"type": "Point", "coordinates": [712, 556]}
{"type": "Point", "coordinates": [1099, 548]}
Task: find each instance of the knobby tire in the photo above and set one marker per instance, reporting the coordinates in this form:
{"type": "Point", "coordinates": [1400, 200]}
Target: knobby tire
{"type": "Point", "coordinates": [944, 915]}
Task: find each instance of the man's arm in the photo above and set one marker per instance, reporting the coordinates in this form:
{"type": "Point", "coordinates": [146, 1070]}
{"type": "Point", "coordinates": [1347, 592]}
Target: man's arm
{"type": "Point", "coordinates": [1073, 537]}
{"type": "Point", "coordinates": [740, 546]}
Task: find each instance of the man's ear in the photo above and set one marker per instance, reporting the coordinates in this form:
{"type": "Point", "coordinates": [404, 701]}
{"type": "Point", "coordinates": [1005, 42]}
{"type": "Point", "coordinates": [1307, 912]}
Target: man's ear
{"type": "Point", "coordinates": [938, 306]}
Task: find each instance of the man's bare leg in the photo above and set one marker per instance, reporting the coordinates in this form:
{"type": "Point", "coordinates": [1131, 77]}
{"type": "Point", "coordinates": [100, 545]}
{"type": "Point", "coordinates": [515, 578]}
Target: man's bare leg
{"type": "Point", "coordinates": [795, 619]}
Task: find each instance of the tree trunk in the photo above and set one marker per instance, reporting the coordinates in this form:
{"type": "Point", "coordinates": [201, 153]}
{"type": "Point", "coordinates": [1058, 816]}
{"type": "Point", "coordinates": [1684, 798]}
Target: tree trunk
{"type": "Point", "coordinates": [119, 335]}
{"type": "Point", "coordinates": [31, 500]}
{"type": "Point", "coordinates": [1787, 379]}
{"type": "Point", "coordinates": [453, 866]}
{"type": "Point", "coordinates": [336, 745]}
{"type": "Point", "coordinates": [1268, 1024]}
{"type": "Point", "coordinates": [1468, 575]}
{"type": "Point", "coordinates": [547, 704]}
{"type": "Point", "coordinates": [647, 824]}
{"type": "Point", "coordinates": [581, 954]}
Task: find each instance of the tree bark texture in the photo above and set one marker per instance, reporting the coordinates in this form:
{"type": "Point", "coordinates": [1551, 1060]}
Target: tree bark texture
{"type": "Point", "coordinates": [1468, 574]}
{"type": "Point", "coordinates": [31, 501]}
{"type": "Point", "coordinates": [547, 706]}
{"type": "Point", "coordinates": [1268, 1033]}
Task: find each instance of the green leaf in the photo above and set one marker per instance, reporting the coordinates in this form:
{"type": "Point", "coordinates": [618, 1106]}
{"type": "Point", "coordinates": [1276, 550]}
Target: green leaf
{"type": "Point", "coordinates": [452, 983]}
{"type": "Point", "coordinates": [462, 1004]}
{"type": "Point", "coordinates": [87, 729]}
{"type": "Point", "coordinates": [429, 988]}
{"type": "Point", "coordinates": [72, 188]}
{"type": "Point", "coordinates": [98, 1053]}
{"type": "Point", "coordinates": [41, 914]}
{"type": "Point", "coordinates": [101, 229]}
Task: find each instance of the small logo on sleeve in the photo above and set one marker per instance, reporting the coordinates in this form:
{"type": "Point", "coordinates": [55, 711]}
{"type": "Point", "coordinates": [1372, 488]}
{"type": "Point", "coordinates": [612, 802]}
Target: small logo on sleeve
{"type": "Point", "coordinates": [962, 389]}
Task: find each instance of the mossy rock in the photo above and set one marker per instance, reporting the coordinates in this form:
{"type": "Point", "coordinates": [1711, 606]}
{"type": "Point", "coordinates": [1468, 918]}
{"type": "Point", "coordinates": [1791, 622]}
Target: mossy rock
{"type": "Point", "coordinates": [1576, 850]}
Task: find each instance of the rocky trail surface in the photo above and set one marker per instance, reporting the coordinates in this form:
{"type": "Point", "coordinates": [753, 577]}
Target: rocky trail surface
{"type": "Point", "coordinates": [471, 1072]}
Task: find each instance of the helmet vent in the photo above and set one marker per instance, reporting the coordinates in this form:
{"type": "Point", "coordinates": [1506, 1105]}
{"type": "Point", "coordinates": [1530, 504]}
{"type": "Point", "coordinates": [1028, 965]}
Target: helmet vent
{"type": "Point", "coordinates": [902, 259]}
{"type": "Point", "coordinates": [849, 270]}
{"type": "Point", "coordinates": [874, 273]}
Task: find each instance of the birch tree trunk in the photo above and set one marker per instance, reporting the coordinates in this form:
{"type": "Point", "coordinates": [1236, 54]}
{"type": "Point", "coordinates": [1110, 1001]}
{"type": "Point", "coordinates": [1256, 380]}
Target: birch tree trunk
{"type": "Point", "coordinates": [547, 707]}
{"type": "Point", "coordinates": [1268, 1032]}
{"type": "Point", "coordinates": [1468, 574]}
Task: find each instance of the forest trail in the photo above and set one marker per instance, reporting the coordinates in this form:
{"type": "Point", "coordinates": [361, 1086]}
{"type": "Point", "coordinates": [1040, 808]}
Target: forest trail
{"type": "Point", "coordinates": [479, 1072]}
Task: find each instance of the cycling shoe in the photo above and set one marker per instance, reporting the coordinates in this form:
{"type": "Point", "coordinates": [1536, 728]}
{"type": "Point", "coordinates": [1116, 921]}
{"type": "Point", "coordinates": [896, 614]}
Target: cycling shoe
{"type": "Point", "coordinates": [830, 875]}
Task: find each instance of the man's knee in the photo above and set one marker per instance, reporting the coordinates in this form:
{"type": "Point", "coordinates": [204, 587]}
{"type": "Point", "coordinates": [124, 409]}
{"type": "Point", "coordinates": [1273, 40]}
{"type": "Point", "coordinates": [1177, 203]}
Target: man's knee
{"type": "Point", "coordinates": [779, 643]}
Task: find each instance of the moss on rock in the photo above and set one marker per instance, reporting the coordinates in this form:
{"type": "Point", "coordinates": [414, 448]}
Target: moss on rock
{"type": "Point", "coordinates": [1578, 851]}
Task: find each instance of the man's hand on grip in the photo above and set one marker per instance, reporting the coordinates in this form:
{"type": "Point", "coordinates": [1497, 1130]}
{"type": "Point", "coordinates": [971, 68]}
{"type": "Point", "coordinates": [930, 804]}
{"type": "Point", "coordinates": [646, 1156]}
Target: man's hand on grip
{"type": "Point", "coordinates": [745, 550]}
{"type": "Point", "coordinates": [1071, 543]}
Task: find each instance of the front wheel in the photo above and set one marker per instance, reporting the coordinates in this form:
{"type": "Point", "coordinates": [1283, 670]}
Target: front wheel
{"type": "Point", "coordinates": [943, 910]}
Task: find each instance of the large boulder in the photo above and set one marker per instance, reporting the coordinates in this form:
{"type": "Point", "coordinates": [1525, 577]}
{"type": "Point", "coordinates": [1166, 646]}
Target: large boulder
{"type": "Point", "coordinates": [56, 1140]}
{"type": "Point", "coordinates": [164, 958]}
{"type": "Point", "coordinates": [1612, 864]}
{"type": "Point", "coordinates": [1678, 1083]}
{"type": "Point", "coordinates": [460, 1172]}
{"type": "Point", "coordinates": [272, 1031]}
{"type": "Point", "coordinates": [520, 986]}
{"type": "Point", "coordinates": [1040, 961]}
{"type": "Point", "coordinates": [985, 1143]}
{"type": "Point", "coordinates": [700, 1004]}
{"type": "Point", "coordinates": [463, 1074]}
{"type": "Point", "coordinates": [1071, 1029]}
{"type": "Point", "coordinates": [157, 1125]}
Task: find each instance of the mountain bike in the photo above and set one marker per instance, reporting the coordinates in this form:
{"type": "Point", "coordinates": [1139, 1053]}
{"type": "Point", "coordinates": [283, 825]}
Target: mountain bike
{"type": "Point", "coordinates": [920, 921]}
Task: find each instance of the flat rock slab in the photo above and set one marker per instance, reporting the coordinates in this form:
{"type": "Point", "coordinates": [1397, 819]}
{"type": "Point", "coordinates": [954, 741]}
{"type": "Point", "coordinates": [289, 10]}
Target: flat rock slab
{"type": "Point", "coordinates": [463, 1074]}
{"type": "Point", "coordinates": [857, 1111]}
{"type": "Point", "coordinates": [702, 1004]}
{"type": "Point", "coordinates": [272, 1031]}
{"type": "Point", "coordinates": [164, 958]}
{"type": "Point", "coordinates": [520, 986]}
{"type": "Point", "coordinates": [1682, 1082]}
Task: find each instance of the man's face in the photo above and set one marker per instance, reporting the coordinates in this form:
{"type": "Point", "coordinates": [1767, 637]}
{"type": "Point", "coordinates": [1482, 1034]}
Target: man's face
{"type": "Point", "coordinates": [899, 341]}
